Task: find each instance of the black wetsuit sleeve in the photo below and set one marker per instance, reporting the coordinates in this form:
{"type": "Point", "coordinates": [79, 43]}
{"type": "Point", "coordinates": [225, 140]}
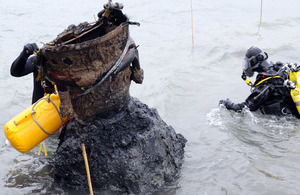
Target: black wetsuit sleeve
{"type": "Point", "coordinates": [254, 101]}
{"type": "Point", "coordinates": [236, 107]}
{"type": "Point", "coordinates": [22, 66]}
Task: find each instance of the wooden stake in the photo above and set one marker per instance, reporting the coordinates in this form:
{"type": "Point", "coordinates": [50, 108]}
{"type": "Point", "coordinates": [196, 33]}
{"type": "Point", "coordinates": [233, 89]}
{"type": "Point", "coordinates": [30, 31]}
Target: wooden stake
{"type": "Point", "coordinates": [87, 169]}
{"type": "Point", "coordinates": [261, 11]}
{"type": "Point", "coordinates": [192, 23]}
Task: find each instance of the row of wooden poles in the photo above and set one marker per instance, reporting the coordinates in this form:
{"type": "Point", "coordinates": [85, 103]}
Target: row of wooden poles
{"type": "Point", "coordinates": [83, 146]}
{"type": "Point", "coordinates": [193, 24]}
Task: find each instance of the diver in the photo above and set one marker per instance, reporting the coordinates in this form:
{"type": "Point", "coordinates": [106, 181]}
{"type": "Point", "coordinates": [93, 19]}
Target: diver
{"type": "Point", "coordinates": [24, 65]}
{"type": "Point", "coordinates": [270, 93]}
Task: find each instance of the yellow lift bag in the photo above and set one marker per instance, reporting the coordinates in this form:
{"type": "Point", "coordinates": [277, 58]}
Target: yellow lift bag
{"type": "Point", "coordinates": [295, 93]}
{"type": "Point", "coordinates": [35, 124]}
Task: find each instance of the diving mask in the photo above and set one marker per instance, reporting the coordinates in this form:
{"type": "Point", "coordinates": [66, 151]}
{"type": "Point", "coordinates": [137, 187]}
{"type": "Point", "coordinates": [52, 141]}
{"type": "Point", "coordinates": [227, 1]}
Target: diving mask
{"type": "Point", "coordinates": [247, 70]}
{"type": "Point", "coordinates": [253, 62]}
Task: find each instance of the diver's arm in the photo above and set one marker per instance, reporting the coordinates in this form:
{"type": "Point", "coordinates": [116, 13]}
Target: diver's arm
{"type": "Point", "coordinates": [232, 106]}
{"type": "Point", "coordinates": [23, 65]}
{"type": "Point", "coordinates": [255, 100]}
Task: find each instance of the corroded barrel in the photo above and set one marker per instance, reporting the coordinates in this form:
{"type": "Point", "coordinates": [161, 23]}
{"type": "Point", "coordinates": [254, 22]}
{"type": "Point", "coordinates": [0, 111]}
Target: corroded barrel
{"type": "Point", "coordinates": [80, 61]}
{"type": "Point", "coordinates": [82, 64]}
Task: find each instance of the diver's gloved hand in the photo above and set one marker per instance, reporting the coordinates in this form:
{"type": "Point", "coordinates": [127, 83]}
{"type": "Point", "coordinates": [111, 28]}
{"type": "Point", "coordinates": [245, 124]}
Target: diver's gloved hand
{"type": "Point", "coordinates": [29, 49]}
{"type": "Point", "coordinates": [227, 103]}
{"type": "Point", "coordinates": [244, 76]}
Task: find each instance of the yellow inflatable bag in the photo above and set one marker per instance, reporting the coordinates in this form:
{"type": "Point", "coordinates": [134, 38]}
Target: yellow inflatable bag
{"type": "Point", "coordinates": [35, 124]}
{"type": "Point", "coordinates": [295, 93]}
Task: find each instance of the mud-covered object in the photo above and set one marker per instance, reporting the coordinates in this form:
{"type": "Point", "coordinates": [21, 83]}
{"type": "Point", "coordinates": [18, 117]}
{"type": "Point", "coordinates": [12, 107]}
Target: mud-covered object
{"type": "Point", "coordinates": [112, 95]}
{"type": "Point", "coordinates": [96, 62]}
{"type": "Point", "coordinates": [81, 64]}
{"type": "Point", "coordinates": [130, 152]}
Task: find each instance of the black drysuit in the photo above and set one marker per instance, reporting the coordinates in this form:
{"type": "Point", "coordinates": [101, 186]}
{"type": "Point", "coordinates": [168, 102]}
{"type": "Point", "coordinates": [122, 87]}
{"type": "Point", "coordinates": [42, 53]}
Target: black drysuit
{"type": "Point", "coordinates": [270, 96]}
{"type": "Point", "coordinates": [23, 66]}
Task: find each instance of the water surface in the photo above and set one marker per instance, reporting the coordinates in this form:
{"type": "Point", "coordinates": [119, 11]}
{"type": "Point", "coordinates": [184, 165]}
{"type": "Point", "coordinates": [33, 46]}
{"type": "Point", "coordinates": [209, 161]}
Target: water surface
{"type": "Point", "coordinates": [226, 153]}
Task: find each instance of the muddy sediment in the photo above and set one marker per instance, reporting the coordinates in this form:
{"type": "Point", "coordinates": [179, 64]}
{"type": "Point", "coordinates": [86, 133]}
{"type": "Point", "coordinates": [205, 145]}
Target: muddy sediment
{"type": "Point", "coordinates": [131, 152]}
{"type": "Point", "coordinates": [130, 149]}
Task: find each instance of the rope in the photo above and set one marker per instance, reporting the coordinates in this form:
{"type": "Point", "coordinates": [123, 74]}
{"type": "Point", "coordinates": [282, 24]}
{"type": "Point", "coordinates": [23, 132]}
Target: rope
{"type": "Point", "coordinates": [33, 112]}
{"type": "Point", "coordinates": [192, 23]}
{"type": "Point", "coordinates": [40, 149]}
{"type": "Point", "coordinates": [261, 6]}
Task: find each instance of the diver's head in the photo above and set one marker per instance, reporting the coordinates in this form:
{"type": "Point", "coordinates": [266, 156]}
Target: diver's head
{"type": "Point", "coordinates": [255, 61]}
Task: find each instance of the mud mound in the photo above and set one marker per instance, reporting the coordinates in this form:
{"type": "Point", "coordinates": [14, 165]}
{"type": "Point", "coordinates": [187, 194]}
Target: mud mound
{"type": "Point", "coordinates": [132, 151]}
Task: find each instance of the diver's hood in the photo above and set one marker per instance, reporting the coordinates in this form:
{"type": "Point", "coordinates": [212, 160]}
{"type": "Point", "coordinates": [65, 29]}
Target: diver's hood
{"type": "Point", "coordinates": [248, 69]}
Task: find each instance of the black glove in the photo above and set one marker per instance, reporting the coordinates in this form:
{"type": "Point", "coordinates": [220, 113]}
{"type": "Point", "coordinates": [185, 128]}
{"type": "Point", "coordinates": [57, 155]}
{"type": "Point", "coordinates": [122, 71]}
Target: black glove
{"type": "Point", "coordinates": [29, 49]}
{"type": "Point", "coordinates": [244, 76]}
{"type": "Point", "coordinates": [227, 103]}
